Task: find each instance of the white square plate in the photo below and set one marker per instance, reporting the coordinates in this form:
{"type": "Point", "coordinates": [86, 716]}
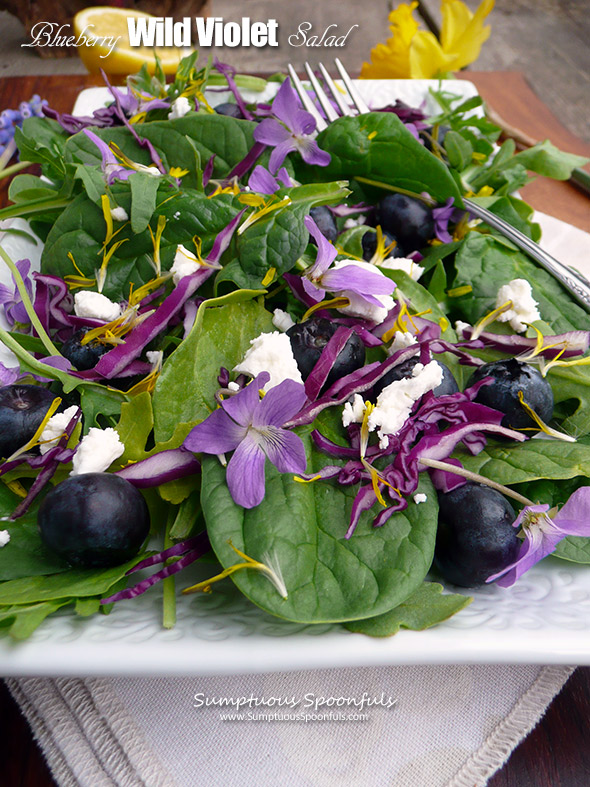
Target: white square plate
{"type": "Point", "coordinates": [543, 619]}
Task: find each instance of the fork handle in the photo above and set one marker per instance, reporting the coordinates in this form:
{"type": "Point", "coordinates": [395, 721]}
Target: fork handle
{"type": "Point", "coordinates": [573, 281]}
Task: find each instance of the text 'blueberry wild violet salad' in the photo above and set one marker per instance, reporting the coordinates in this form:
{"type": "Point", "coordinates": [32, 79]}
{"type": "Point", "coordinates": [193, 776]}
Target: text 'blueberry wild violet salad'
{"type": "Point", "coordinates": [293, 353]}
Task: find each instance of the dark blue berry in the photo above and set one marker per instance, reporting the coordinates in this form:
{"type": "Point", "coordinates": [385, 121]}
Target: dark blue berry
{"type": "Point", "coordinates": [448, 384]}
{"type": "Point", "coordinates": [22, 409]}
{"type": "Point", "coordinates": [407, 219]}
{"type": "Point", "coordinates": [309, 338]}
{"type": "Point", "coordinates": [83, 356]}
{"type": "Point", "coordinates": [326, 222]}
{"type": "Point", "coordinates": [94, 520]}
{"type": "Point", "coordinates": [475, 536]}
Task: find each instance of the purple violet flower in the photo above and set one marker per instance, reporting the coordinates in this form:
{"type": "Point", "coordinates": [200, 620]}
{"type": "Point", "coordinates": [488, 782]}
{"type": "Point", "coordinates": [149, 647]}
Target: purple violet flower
{"type": "Point", "coordinates": [290, 130]}
{"type": "Point", "coordinates": [262, 182]}
{"type": "Point", "coordinates": [111, 168]}
{"type": "Point", "coordinates": [441, 216]}
{"type": "Point", "coordinates": [360, 282]}
{"type": "Point", "coordinates": [543, 533]}
{"type": "Point", "coordinates": [11, 300]}
{"type": "Point", "coordinates": [251, 427]}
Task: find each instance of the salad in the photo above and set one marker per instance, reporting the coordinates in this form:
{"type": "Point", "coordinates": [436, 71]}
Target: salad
{"type": "Point", "coordinates": [294, 357]}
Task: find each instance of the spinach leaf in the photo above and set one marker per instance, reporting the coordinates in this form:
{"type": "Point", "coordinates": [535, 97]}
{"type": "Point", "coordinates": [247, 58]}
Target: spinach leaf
{"type": "Point", "coordinates": [81, 229]}
{"type": "Point", "coordinates": [276, 243]}
{"type": "Point", "coordinates": [43, 141]}
{"type": "Point", "coordinates": [221, 335]}
{"type": "Point", "coordinates": [486, 263]}
{"type": "Point", "coordinates": [301, 527]}
{"type": "Point", "coordinates": [77, 582]}
{"type": "Point", "coordinates": [23, 620]}
{"type": "Point", "coordinates": [426, 607]}
{"type": "Point", "coordinates": [576, 549]}
{"type": "Point", "coordinates": [535, 459]}
{"type": "Point", "coordinates": [379, 147]}
{"type": "Point", "coordinates": [546, 159]}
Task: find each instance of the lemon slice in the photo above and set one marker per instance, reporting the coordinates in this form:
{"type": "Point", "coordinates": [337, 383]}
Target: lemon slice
{"type": "Point", "coordinates": [101, 22]}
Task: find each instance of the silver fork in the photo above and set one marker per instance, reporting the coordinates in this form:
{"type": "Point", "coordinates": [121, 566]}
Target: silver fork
{"type": "Point", "coordinates": [571, 279]}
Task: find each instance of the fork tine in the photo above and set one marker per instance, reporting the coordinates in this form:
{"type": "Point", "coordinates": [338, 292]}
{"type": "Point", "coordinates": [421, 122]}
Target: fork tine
{"type": "Point", "coordinates": [357, 100]}
{"type": "Point", "coordinates": [336, 93]}
{"type": "Point", "coordinates": [306, 100]}
{"type": "Point", "coordinates": [331, 113]}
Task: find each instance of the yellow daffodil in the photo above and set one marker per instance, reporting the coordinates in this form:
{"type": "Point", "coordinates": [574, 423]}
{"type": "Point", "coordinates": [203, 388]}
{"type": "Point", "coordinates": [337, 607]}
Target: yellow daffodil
{"type": "Point", "coordinates": [418, 54]}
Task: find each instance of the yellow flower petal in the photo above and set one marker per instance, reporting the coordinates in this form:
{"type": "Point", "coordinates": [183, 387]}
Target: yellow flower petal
{"type": "Point", "coordinates": [462, 32]}
{"type": "Point", "coordinates": [392, 59]}
{"type": "Point", "coordinates": [427, 58]}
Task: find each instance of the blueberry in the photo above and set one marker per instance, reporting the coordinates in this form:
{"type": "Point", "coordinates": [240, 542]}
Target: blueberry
{"type": "Point", "coordinates": [369, 244]}
{"type": "Point", "coordinates": [407, 219]}
{"type": "Point", "coordinates": [475, 537]}
{"type": "Point", "coordinates": [510, 377]}
{"type": "Point", "coordinates": [83, 356]}
{"type": "Point", "coordinates": [309, 338]}
{"type": "Point", "coordinates": [448, 384]}
{"type": "Point", "coordinates": [94, 520]}
{"type": "Point", "coordinates": [22, 409]}
{"type": "Point", "coordinates": [230, 110]}
{"type": "Point", "coordinates": [326, 222]}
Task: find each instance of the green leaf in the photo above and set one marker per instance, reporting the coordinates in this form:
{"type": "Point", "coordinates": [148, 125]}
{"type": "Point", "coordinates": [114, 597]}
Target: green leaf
{"type": "Point", "coordinates": [302, 528]}
{"type": "Point", "coordinates": [378, 146]}
{"type": "Point", "coordinates": [135, 426]}
{"type": "Point", "coordinates": [576, 549]}
{"type": "Point", "coordinates": [70, 584]}
{"type": "Point", "coordinates": [546, 159]}
{"type": "Point", "coordinates": [515, 464]}
{"type": "Point", "coordinates": [486, 263]}
{"type": "Point", "coordinates": [276, 243]}
{"type": "Point", "coordinates": [26, 555]}
{"type": "Point", "coordinates": [185, 391]}
{"type": "Point", "coordinates": [29, 187]}
{"type": "Point", "coordinates": [23, 620]}
{"type": "Point", "coordinates": [99, 400]}
{"type": "Point", "coordinates": [144, 190]}
{"type": "Point", "coordinates": [426, 607]}
{"type": "Point", "coordinates": [43, 140]}
{"type": "Point", "coordinates": [458, 149]}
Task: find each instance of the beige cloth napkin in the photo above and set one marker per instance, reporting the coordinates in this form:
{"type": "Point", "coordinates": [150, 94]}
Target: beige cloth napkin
{"type": "Point", "coordinates": [450, 726]}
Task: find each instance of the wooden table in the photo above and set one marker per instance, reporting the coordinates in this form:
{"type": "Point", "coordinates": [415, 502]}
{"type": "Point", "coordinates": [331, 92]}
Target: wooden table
{"type": "Point", "coordinates": [556, 753]}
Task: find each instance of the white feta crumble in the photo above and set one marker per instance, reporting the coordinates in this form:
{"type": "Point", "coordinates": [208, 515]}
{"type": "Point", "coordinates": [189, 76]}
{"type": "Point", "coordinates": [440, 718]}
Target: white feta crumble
{"type": "Point", "coordinates": [96, 306]}
{"type": "Point", "coordinates": [401, 340]}
{"type": "Point", "coordinates": [119, 214]}
{"type": "Point", "coordinates": [420, 497]}
{"type": "Point", "coordinates": [358, 306]}
{"type": "Point", "coordinates": [154, 357]}
{"type": "Point", "coordinates": [404, 264]}
{"type": "Point", "coordinates": [282, 320]}
{"type": "Point", "coordinates": [460, 327]}
{"type": "Point", "coordinates": [4, 537]}
{"type": "Point", "coordinates": [179, 108]}
{"type": "Point", "coordinates": [54, 428]}
{"type": "Point", "coordinates": [272, 353]}
{"type": "Point", "coordinates": [394, 403]}
{"type": "Point", "coordinates": [524, 306]}
{"type": "Point", "coordinates": [176, 215]}
{"type": "Point", "coordinates": [350, 224]}
{"type": "Point", "coordinates": [185, 263]}
{"type": "Point", "coordinates": [231, 386]}
{"type": "Point", "coordinates": [353, 412]}
{"type": "Point", "coordinates": [97, 451]}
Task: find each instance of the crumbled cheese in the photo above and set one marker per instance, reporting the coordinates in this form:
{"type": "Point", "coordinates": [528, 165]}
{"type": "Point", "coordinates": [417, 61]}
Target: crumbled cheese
{"type": "Point", "coordinates": [95, 306]}
{"type": "Point", "coordinates": [151, 170]}
{"type": "Point", "coordinates": [420, 498]}
{"type": "Point", "coordinates": [282, 320]}
{"type": "Point", "coordinates": [350, 224]}
{"type": "Point", "coordinates": [358, 306]}
{"type": "Point", "coordinates": [401, 340]}
{"type": "Point", "coordinates": [155, 357]}
{"type": "Point", "coordinates": [404, 264]}
{"type": "Point", "coordinates": [176, 215]}
{"type": "Point", "coordinates": [97, 451]}
{"type": "Point", "coordinates": [179, 108]}
{"type": "Point", "coordinates": [461, 326]}
{"type": "Point", "coordinates": [395, 402]}
{"type": "Point", "coordinates": [119, 214]}
{"type": "Point", "coordinates": [4, 537]}
{"type": "Point", "coordinates": [185, 263]}
{"type": "Point", "coordinates": [272, 353]}
{"type": "Point", "coordinates": [54, 428]}
{"type": "Point", "coordinates": [231, 386]}
{"type": "Point", "coordinates": [354, 411]}
{"type": "Point", "coordinates": [524, 306]}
